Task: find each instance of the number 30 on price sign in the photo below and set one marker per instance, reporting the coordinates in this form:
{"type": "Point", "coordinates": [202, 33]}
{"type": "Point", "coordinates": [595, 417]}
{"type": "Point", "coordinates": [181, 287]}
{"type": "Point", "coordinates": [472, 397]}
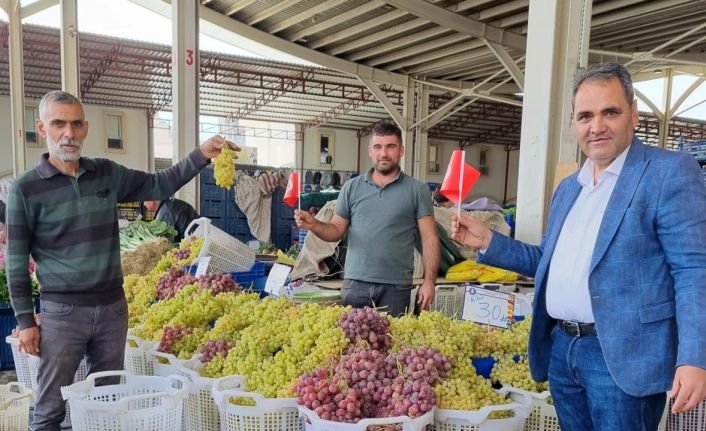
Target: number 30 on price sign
{"type": "Point", "coordinates": [488, 307]}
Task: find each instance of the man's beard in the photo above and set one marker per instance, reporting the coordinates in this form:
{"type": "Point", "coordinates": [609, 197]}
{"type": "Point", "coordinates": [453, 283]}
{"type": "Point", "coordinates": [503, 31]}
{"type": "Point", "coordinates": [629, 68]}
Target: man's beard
{"type": "Point", "coordinates": [392, 169]}
{"type": "Point", "coordinates": [56, 150]}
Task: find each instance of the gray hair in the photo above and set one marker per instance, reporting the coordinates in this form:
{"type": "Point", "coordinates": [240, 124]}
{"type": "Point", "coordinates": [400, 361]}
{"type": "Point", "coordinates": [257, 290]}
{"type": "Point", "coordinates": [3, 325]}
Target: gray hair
{"type": "Point", "coordinates": [605, 72]}
{"type": "Point", "coordinates": [58, 96]}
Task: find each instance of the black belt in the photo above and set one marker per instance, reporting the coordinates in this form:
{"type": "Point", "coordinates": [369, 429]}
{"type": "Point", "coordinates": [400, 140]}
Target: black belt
{"type": "Point", "coordinates": [576, 329]}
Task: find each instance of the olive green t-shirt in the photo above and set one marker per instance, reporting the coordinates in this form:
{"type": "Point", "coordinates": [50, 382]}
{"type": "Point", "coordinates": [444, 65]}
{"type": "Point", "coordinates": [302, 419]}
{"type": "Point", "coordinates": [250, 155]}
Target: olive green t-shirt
{"type": "Point", "coordinates": [383, 227]}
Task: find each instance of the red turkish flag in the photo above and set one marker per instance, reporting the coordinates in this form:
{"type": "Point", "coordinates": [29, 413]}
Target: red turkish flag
{"type": "Point", "coordinates": [291, 195]}
{"type": "Point", "coordinates": [460, 178]}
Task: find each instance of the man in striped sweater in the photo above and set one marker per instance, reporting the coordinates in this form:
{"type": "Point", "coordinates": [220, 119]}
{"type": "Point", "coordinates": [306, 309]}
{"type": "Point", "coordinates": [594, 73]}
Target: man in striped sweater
{"type": "Point", "coordinates": [63, 212]}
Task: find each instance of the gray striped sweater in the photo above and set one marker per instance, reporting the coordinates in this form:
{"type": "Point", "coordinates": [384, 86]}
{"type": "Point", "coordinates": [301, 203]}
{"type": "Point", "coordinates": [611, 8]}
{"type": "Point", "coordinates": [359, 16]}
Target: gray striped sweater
{"type": "Point", "coordinates": [70, 226]}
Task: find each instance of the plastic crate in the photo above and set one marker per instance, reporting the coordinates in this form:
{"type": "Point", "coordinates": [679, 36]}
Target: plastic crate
{"type": "Point", "coordinates": [202, 411]}
{"type": "Point", "coordinates": [138, 403]}
{"type": "Point", "coordinates": [314, 423]}
{"type": "Point", "coordinates": [227, 253]}
{"type": "Point", "coordinates": [542, 417]}
{"type": "Point", "coordinates": [206, 176]}
{"type": "Point", "coordinates": [212, 209]}
{"type": "Point", "coordinates": [137, 362]}
{"type": "Point", "coordinates": [7, 324]}
{"type": "Point", "coordinates": [14, 406]}
{"type": "Point", "coordinates": [460, 420]}
{"type": "Point", "coordinates": [163, 364]}
{"type": "Point", "coordinates": [268, 414]}
{"type": "Point", "coordinates": [21, 363]}
{"type": "Point", "coordinates": [449, 300]}
{"type": "Point", "coordinates": [254, 279]}
{"type": "Point", "coordinates": [212, 192]}
{"type": "Point", "coordinates": [693, 420]}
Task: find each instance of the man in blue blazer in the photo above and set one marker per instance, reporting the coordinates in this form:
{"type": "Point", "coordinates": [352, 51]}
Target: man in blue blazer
{"type": "Point", "coordinates": [620, 275]}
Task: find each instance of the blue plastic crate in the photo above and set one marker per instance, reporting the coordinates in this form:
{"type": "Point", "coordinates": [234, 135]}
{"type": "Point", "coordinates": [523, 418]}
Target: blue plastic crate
{"type": "Point", "coordinates": [213, 193]}
{"type": "Point", "coordinates": [7, 324]}
{"type": "Point", "coordinates": [254, 279]}
{"type": "Point", "coordinates": [206, 175]}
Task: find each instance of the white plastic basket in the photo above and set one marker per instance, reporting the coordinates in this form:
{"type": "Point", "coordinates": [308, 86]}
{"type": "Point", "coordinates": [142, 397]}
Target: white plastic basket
{"type": "Point", "coordinates": [693, 420]}
{"type": "Point", "coordinates": [163, 364]}
{"type": "Point", "coordinates": [542, 417]}
{"type": "Point", "coordinates": [14, 406]}
{"type": "Point", "coordinates": [460, 420]}
{"type": "Point", "coordinates": [315, 423]}
{"type": "Point", "coordinates": [21, 363]}
{"type": "Point", "coordinates": [202, 411]}
{"type": "Point", "coordinates": [140, 403]}
{"type": "Point", "coordinates": [137, 362]}
{"type": "Point", "coordinates": [227, 253]}
{"type": "Point", "coordinates": [448, 300]}
{"type": "Point", "coordinates": [268, 414]}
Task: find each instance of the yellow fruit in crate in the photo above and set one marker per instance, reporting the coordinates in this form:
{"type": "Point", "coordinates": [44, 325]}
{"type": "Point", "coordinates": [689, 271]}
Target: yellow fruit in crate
{"type": "Point", "coordinates": [224, 169]}
{"type": "Point", "coordinates": [469, 270]}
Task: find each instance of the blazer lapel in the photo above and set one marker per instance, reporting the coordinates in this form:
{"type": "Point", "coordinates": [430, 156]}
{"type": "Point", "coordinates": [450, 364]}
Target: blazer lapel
{"type": "Point", "coordinates": [623, 192]}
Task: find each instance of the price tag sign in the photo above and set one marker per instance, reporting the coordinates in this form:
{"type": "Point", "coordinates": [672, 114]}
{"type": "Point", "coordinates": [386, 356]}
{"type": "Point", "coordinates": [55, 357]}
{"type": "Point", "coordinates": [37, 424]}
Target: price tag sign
{"type": "Point", "coordinates": [277, 278]}
{"type": "Point", "coordinates": [488, 307]}
{"type": "Point", "coordinates": [202, 266]}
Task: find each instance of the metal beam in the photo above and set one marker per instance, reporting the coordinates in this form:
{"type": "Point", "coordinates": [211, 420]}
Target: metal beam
{"type": "Point", "coordinates": [666, 44]}
{"type": "Point", "coordinates": [677, 104]}
{"type": "Point", "coordinates": [515, 72]}
{"type": "Point", "coordinates": [300, 51]}
{"type": "Point", "coordinates": [434, 57]}
{"type": "Point", "coordinates": [99, 70]}
{"type": "Point", "coordinates": [268, 12]}
{"type": "Point", "coordinates": [237, 6]}
{"type": "Point", "coordinates": [461, 24]}
{"type": "Point", "coordinates": [491, 134]}
{"type": "Point", "coordinates": [336, 112]}
{"type": "Point", "coordinates": [383, 99]}
{"type": "Point", "coordinates": [358, 28]}
{"type": "Point", "coordinates": [334, 21]}
{"type": "Point", "coordinates": [37, 6]}
{"type": "Point", "coordinates": [394, 50]}
{"type": "Point", "coordinates": [301, 16]}
{"type": "Point", "coordinates": [655, 110]}
{"type": "Point", "coordinates": [265, 98]}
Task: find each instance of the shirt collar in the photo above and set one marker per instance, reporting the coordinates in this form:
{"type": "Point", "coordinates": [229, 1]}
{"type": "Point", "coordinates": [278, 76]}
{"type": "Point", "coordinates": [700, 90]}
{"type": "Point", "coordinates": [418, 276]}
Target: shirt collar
{"type": "Point", "coordinates": [369, 176]}
{"type": "Point", "coordinates": [585, 176]}
{"type": "Point", "coordinates": [46, 170]}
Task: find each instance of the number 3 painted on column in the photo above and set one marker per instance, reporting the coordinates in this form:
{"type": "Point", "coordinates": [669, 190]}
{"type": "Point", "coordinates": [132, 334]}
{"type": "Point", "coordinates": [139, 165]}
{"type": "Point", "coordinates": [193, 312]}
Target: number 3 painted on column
{"type": "Point", "coordinates": [189, 57]}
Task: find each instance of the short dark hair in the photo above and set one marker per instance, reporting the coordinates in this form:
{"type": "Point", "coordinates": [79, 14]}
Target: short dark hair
{"type": "Point", "coordinates": [605, 72]}
{"type": "Point", "coordinates": [387, 129]}
{"type": "Point", "coordinates": [58, 96]}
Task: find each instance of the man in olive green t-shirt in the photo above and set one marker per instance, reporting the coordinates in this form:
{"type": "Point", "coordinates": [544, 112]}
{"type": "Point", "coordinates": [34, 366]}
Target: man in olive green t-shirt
{"type": "Point", "coordinates": [382, 211]}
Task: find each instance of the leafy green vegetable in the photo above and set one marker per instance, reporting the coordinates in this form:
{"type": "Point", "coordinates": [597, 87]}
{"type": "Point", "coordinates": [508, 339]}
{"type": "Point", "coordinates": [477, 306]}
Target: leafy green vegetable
{"type": "Point", "coordinates": [139, 231]}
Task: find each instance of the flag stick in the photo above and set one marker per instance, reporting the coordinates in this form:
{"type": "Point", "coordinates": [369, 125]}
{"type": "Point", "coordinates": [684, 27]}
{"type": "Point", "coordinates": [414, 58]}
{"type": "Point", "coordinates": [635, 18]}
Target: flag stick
{"type": "Point", "coordinates": [460, 184]}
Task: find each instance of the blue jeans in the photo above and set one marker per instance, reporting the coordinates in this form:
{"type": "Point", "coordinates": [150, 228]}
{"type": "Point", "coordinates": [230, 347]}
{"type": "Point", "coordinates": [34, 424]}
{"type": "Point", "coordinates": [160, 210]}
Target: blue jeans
{"type": "Point", "coordinates": [392, 298]}
{"type": "Point", "coordinates": [585, 395]}
{"type": "Point", "coordinates": [67, 333]}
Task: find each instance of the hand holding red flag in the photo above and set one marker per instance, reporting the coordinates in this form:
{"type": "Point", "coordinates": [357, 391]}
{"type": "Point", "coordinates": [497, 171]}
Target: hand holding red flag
{"type": "Point", "coordinates": [291, 194]}
{"type": "Point", "coordinates": [460, 178]}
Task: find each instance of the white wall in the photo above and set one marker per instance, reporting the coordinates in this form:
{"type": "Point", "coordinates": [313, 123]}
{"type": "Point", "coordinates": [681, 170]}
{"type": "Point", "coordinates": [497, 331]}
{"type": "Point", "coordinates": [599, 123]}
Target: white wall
{"type": "Point", "coordinates": [345, 149]}
{"type": "Point", "coordinates": [134, 156]}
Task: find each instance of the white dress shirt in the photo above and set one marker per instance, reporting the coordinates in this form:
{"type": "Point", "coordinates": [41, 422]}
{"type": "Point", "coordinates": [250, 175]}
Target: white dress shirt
{"type": "Point", "coordinates": [568, 297]}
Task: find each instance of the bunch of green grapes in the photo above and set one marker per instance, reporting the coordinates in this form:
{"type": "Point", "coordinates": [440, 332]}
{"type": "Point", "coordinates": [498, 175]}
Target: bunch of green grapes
{"type": "Point", "coordinates": [228, 326]}
{"type": "Point", "coordinates": [469, 394]}
{"type": "Point", "coordinates": [516, 374]}
{"type": "Point", "coordinates": [161, 313]}
{"type": "Point", "coordinates": [513, 341]}
{"type": "Point", "coordinates": [224, 168]}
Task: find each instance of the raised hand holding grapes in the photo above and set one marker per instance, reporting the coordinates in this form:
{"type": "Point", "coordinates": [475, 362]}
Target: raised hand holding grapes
{"type": "Point", "coordinates": [211, 147]}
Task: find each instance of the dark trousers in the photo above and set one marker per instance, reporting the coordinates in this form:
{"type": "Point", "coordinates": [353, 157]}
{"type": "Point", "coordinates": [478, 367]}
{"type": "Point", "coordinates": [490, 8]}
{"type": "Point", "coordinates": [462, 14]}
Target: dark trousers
{"type": "Point", "coordinates": [392, 298]}
{"type": "Point", "coordinates": [67, 333]}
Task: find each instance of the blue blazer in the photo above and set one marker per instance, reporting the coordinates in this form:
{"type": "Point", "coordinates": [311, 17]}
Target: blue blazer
{"type": "Point", "coordinates": [647, 278]}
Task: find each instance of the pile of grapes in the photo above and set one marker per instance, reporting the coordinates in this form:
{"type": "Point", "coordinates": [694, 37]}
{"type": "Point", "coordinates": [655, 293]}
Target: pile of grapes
{"type": "Point", "coordinates": [218, 283]}
{"type": "Point", "coordinates": [172, 282]}
{"type": "Point", "coordinates": [368, 381]}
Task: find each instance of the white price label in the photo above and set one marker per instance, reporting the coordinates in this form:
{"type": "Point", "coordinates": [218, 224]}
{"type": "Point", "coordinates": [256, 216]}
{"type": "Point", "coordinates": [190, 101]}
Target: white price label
{"type": "Point", "coordinates": [277, 278]}
{"type": "Point", "coordinates": [202, 266]}
{"type": "Point", "coordinates": [488, 307]}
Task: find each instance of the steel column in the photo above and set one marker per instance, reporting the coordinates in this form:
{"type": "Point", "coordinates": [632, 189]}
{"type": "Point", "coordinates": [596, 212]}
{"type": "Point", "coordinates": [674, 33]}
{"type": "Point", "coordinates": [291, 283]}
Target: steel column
{"type": "Point", "coordinates": [70, 71]}
{"type": "Point", "coordinates": [557, 44]}
{"type": "Point", "coordinates": [17, 100]}
{"type": "Point", "coordinates": [185, 86]}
